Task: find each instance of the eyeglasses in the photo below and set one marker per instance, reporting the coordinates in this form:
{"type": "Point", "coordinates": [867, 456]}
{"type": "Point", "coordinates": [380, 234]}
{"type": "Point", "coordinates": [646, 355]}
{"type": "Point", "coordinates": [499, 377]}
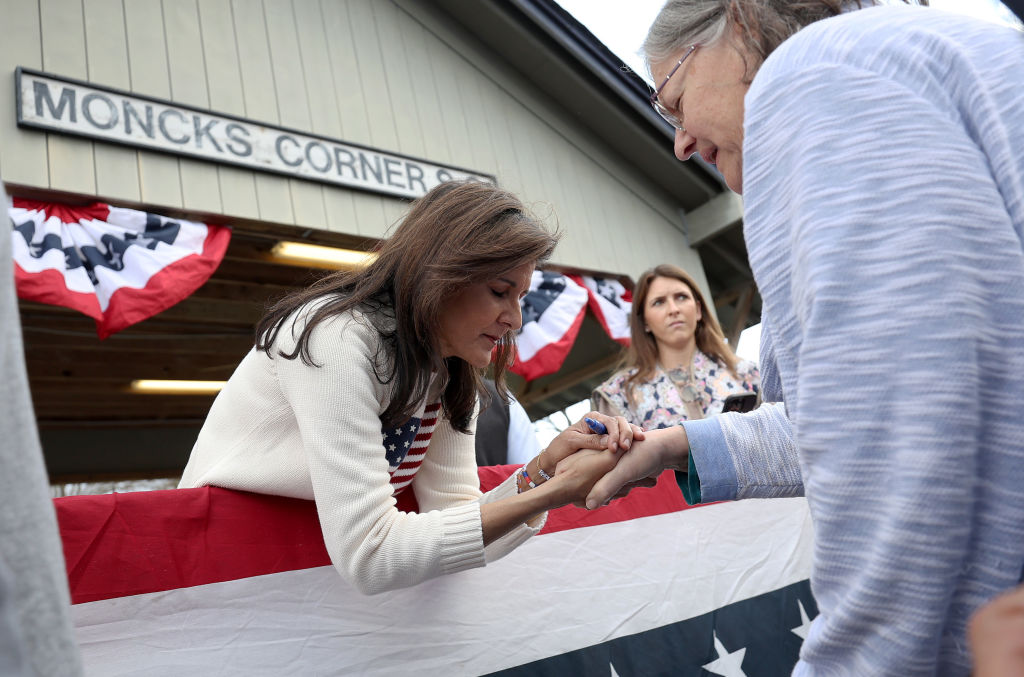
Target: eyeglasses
{"type": "Point", "coordinates": [663, 111]}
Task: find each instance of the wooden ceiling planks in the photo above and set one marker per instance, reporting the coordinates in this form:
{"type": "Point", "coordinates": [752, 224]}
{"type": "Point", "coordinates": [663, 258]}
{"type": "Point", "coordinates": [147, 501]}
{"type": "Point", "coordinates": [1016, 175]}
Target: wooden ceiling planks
{"type": "Point", "coordinates": [76, 378]}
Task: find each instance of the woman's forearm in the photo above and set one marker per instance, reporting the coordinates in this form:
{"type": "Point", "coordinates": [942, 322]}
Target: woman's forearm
{"type": "Point", "coordinates": [498, 518]}
{"type": "Point", "coordinates": [575, 476]}
{"type": "Point", "coordinates": [561, 474]}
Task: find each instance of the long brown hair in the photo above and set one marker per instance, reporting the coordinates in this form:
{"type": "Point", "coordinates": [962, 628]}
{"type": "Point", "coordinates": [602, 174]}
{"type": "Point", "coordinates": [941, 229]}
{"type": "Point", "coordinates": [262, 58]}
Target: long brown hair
{"type": "Point", "coordinates": [460, 233]}
{"type": "Point", "coordinates": [643, 347]}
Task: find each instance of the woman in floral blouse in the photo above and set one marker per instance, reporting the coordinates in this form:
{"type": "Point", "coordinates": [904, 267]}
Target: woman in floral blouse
{"type": "Point", "coordinates": [678, 366]}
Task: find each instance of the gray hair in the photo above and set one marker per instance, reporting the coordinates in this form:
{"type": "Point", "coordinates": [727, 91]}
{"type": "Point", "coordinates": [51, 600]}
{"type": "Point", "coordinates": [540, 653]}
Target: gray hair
{"type": "Point", "coordinates": [763, 24]}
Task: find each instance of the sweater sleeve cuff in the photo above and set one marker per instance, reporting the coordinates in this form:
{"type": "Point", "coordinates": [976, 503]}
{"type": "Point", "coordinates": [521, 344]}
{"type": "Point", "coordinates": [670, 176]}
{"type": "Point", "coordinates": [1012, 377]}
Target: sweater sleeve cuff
{"type": "Point", "coordinates": [463, 536]}
{"type": "Point", "coordinates": [513, 539]}
{"type": "Point", "coordinates": [709, 457]}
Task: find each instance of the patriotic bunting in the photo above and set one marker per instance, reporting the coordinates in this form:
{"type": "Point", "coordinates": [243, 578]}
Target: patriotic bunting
{"type": "Point", "coordinates": [611, 303]}
{"type": "Point", "coordinates": [212, 581]}
{"type": "Point", "coordinates": [552, 314]}
{"type": "Point", "coordinates": [118, 266]}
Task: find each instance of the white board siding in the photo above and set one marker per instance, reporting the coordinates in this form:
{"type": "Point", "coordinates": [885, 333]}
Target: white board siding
{"type": "Point", "coordinates": [396, 75]}
{"type": "Point", "coordinates": [237, 187]}
{"type": "Point", "coordinates": [70, 160]}
{"type": "Point", "coordinates": [23, 156]}
{"type": "Point", "coordinates": [159, 175]}
{"type": "Point", "coordinates": [106, 47]}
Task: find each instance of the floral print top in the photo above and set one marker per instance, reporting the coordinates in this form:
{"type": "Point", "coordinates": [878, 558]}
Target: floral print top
{"type": "Point", "coordinates": [658, 403]}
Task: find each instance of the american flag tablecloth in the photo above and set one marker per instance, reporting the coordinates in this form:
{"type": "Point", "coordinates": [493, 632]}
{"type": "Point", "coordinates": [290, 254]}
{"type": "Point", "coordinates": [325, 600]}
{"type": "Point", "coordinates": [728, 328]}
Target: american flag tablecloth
{"type": "Point", "coordinates": [215, 582]}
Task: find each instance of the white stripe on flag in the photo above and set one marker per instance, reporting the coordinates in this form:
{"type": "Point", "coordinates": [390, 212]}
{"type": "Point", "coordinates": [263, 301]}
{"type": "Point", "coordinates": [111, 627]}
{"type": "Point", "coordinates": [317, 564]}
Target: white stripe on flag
{"type": "Point", "coordinates": [555, 321]}
{"type": "Point", "coordinates": [77, 280]}
{"type": "Point", "coordinates": [140, 263]}
{"type": "Point", "coordinates": [616, 318]}
{"type": "Point", "coordinates": [559, 592]}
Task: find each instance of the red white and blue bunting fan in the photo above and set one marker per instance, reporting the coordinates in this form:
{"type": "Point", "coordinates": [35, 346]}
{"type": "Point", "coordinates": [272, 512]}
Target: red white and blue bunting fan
{"type": "Point", "coordinates": [552, 314]}
{"type": "Point", "coordinates": [611, 303]}
{"type": "Point", "coordinates": [118, 266]}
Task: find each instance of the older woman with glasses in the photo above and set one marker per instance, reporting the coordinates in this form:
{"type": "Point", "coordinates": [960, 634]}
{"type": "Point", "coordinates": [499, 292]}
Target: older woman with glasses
{"type": "Point", "coordinates": [881, 157]}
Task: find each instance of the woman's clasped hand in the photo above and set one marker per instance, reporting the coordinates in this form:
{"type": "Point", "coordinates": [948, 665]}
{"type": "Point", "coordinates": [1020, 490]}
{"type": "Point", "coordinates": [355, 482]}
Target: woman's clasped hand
{"type": "Point", "coordinates": [578, 458]}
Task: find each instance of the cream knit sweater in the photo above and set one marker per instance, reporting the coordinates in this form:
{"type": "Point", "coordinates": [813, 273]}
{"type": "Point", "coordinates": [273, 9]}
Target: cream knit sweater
{"type": "Point", "coordinates": [282, 427]}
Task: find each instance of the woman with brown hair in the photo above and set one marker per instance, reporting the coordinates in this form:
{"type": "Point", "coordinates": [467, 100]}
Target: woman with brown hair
{"type": "Point", "coordinates": [366, 384]}
{"type": "Point", "coordinates": [678, 366]}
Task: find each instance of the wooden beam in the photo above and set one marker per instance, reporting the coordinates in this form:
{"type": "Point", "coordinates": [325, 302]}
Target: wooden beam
{"type": "Point", "coordinates": [192, 309]}
{"type": "Point", "coordinates": [252, 290]}
{"type": "Point", "coordinates": [58, 320]}
{"type": "Point", "coordinates": [532, 395]}
{"type": "Point", "coordinates": [77, 363]}
{"type": "Point", "coordinates": [129, 424]}
{"type": "Point", "coordinates": [40, 339]}
{"type": "Point", "coordinates": [729, 296]}
{"type": "Point", "coordinates": [86, 409]}
{"type": "Point", "coordinates": [741, 266]}
{"type": "Point", "coordinates": [742, 313]}
{"type": "Point", "coordinates": [718, 214]}
{"type": "Point", "coordinates": [268, 273]}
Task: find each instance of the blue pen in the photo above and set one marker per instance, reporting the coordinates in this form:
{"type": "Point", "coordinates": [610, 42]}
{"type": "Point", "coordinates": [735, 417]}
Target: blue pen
{"type": "Point", "coordinates": [596, 427]}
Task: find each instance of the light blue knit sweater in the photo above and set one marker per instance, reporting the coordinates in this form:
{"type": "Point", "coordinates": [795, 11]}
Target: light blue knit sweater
{"type": "Point", "coordinates": [884, 195]}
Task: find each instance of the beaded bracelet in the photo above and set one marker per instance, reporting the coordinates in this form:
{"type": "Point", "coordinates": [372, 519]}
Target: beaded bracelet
{"type": "Point", "coordinates": [526, 476]}
{"type": "Point", "coordinates": [540, 466]}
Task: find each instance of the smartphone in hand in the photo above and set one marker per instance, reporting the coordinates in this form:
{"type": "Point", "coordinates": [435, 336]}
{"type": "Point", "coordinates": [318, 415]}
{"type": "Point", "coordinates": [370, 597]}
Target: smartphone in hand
{"type": "Point", "coordinates": [741, 403]}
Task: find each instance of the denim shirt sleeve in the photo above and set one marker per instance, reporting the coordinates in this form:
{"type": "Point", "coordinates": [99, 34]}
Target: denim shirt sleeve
{"type": "Point", "coordinates": [711, 475]}
{"type": "Point", "coordinates": [739, 456]}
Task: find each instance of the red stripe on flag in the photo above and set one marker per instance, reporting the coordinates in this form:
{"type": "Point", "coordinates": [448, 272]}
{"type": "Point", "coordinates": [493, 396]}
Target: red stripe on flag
{"type": "Point", "coordinates": [97, 211]}
{"type": "Point", "coordinates": [406, 471]}
{"type": "Point", "coordinates": [49, 286]}
{"type": "Point", "coordinates": [167, 287]}
{"type": "Point", "coordinates": [134, 543]}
